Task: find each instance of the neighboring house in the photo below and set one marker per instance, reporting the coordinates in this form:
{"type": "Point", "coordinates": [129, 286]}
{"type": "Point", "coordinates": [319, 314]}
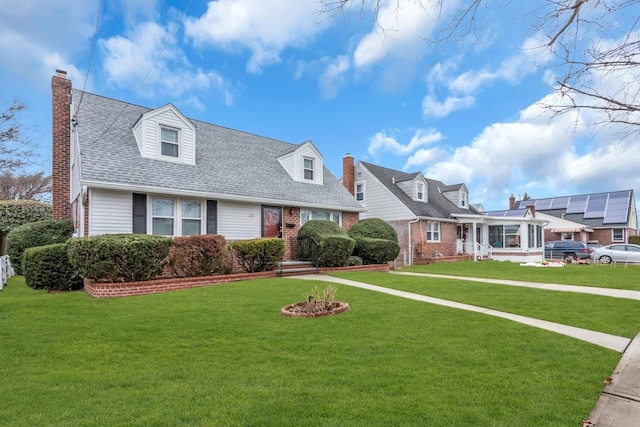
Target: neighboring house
{"type": "Point", "coordinates": [602, 218]}
{"type": "Point", "coordinates": [433, 219]}
{"type": "Point", "coordinates": [122, 168]}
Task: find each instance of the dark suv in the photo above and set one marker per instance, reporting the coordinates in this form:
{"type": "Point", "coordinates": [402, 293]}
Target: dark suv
{"type": "Point", "coordinates": [568, 250]}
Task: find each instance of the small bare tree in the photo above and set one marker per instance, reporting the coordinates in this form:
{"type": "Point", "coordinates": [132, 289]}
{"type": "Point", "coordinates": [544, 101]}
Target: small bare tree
{"type": "Point", "coordinates": [15, 147]}
{"type": "Point", "coordinates": [35, 186]}
{"type": "Point", "coordinates": [595, 46]}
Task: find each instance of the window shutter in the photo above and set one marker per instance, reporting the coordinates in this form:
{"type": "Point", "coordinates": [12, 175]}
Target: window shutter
{"type": "Point", "coordinates": [140, 213]}
{"type": "Point", "coordinates": [212, 217]}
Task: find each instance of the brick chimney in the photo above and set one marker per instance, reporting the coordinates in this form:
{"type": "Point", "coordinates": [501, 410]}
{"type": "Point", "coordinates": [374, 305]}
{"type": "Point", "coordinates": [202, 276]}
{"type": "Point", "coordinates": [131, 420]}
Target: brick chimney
{"type": "Point", "coordinates": [347, 173]}
{"type": "Point", "coordinates": [61, 150]}
{"type": "Point", "coordinates": [512, 202]}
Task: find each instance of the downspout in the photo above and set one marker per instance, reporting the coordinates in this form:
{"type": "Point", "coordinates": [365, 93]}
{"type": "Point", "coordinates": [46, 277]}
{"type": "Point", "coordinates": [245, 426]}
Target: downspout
{"type": "Point", "coordinates": [409, 247]}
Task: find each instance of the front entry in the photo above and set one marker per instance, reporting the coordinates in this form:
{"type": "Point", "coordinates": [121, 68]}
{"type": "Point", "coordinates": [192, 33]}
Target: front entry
{"type": "Point", "coordinates": [271, 221]}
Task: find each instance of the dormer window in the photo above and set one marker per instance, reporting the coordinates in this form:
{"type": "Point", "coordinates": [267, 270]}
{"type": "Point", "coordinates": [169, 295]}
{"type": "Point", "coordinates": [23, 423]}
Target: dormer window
{"type": "Point", "coordinates": [308, 169]}
{"type": "Point", "coordinates": [463, 199]}
{"type": "Point", "coordinates": [169, 142]}
{"type": "Point", "coordinates": [419, 191]}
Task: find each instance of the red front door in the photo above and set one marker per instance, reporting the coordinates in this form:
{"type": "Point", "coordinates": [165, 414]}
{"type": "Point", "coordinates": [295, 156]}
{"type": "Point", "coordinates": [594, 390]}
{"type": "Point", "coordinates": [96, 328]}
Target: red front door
{"type": "Point", "coordinates": [271, 221]}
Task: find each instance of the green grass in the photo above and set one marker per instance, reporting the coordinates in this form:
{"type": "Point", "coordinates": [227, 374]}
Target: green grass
{"type": "Point", "coordinates": [224, 356]}
{"type": "Point", "coordinates": [610, 315]}
{"type": "Point", "coordinates": [604, 276]}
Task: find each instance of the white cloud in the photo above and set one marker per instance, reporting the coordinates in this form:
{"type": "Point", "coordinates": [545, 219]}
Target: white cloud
{"type": "Point", "coordinates": [383, 142]}
{"type": "Point", "coordinates": [431, 107]}
{"type": "Point", "coordinates": [423, 157]}
{"type": "Point", "coordinates": [264, 27]}
{"type": "Point", "coordinates": [333, 76]}
{"type": "Point", "coordinates": [140, 60]}
{"type": "Point", "coordinates": [399, 30]}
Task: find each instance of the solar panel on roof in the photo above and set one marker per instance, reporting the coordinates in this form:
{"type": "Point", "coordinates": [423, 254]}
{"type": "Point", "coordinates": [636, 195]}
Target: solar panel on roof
{"type": "Point", "coordinates": [543, 204]}
{"type": "Point", "coordinates": [596, 206]}
{"type": "Point", "coordinates": [577, 204]}
{"type": "Point", "coordinates": [617, 208]}
{"type": "Point", "coordinates": [515, 212]}
{"type": "Point", "coordinates": [560, 203]}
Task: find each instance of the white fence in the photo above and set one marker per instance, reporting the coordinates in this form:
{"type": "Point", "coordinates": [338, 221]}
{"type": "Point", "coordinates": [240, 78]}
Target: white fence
{"type": "Point", "coordinates": [5, 270]}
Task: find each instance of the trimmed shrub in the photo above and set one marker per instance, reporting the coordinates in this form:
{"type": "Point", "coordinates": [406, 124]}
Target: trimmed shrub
{"type": "Point", "coordinates": [47, 267]}
{"type": "Point", "coordinates": [334, 244]}
{"type": "Point", "coordinates": [258, 254]}
{"type": "Point", "coordinates": [374, 228]}
{"type": "Point", "coordinates": [193, 256]}
{"type": "Point", "coordinates": [354, 260]}
{"type": "Point", "coordinates": [119, 257]}
{"type": "Point", "coordinates": [376, 251]}
{"type": "Point", "coordinates": [17, 212]}
{"type": "Point", "coordinates": [33, 234]}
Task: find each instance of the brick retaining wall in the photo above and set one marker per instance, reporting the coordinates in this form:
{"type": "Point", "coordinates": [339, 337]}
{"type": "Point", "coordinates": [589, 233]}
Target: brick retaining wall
{"type": "Point", "coordinates": [125, 289]}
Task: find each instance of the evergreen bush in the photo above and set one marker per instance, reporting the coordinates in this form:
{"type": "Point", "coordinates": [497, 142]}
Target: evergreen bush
{"type": "Point", "coordinates": [258, 254]}
{"type": "Point", "coordinates": [33, 234]}
{"type": "Point", "coordinates": [334, 246]}
{"type": "Point", "coordinates": [374, 228]}
{"type": "Point", "coordinates": [376, 251]}
{"type": "Point", "coordinates": [119, 257]}
{"type": "Point", "coordinates": [47, 267]}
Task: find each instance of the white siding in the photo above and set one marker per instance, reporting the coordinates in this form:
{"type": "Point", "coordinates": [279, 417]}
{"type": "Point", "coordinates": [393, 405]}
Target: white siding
{"type": "Point", "coordinates": [110, 212]}
{"type": "Point", "coordinates": [147, 134]}
{"type": "Point", "coordinates": [379, 202]}
{"type": "Point", "coordinates": [293, 163]}
{"type": "Point", "coordinates": [239, 221]}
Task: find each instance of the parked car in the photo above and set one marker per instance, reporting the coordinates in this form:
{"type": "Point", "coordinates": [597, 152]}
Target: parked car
{"type": "Point", "coordinates": [568, 250]}
{"type": "Point", "coordinates": [592, 249]}
{"type": "Point", "coordinates": [618, 253]}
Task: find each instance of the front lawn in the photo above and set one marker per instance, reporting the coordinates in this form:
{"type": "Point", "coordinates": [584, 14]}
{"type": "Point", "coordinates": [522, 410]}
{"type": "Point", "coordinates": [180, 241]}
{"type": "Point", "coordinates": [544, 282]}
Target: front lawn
{"type": "Point", "coordinates": [615, 316]}
{"type": "Point", "coordinates": [224, 356]}
{"type": "Point", "coordinates": [598, 275]}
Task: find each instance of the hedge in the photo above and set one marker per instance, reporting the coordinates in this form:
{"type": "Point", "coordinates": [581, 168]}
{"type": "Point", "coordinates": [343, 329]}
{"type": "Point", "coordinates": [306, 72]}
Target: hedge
{"type": "Point", "coordinates": [38, 233]}
{"type": "Point", "coordinates": [258, 254]}
{"type": "Point", "coordinates": [119, 257]}
{"type": "Point", "coordinates": [194, 256]}
{"type": "Point", "coordinates": [376, 251]}
{"type": "Point", "coordinates": [374, 228]}
{"type": "Point", "coordinates": [47, 267]}
{"type": "Point", "coordinates": [334, 244]}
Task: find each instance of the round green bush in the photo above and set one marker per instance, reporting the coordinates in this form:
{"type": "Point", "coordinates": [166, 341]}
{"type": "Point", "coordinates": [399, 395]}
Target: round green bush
{"type": "Point", "coordinates": [374, 228]}
{"type": "Point", "coordinates": [33, 234]}
{"type": "Point", "coordinates": [326, 242]}
{"type": "Point", "coordinates": [48, 267]}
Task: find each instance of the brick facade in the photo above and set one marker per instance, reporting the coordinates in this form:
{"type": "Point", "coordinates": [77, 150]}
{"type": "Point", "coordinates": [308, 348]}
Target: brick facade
{"type": "Point", "coordinates": [60, 177]}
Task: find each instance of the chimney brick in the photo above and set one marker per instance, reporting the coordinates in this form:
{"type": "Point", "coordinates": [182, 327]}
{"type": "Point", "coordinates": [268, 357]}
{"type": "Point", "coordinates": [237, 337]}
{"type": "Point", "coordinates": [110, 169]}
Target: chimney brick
{"type": "Point", "coordinates": [61, 150]}
{"type": "Point", "coordinates": [347, 173]}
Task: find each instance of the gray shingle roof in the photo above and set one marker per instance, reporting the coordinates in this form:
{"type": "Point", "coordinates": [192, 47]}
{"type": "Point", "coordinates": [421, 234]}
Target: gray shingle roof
{"type": "Point", "coordinates": [437, 206]}
{"type": "Point", "coordinates": [229, 163]}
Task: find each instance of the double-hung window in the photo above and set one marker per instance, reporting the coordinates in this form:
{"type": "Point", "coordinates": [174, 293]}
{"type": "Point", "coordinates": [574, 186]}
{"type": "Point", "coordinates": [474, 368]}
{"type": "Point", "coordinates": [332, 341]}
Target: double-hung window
{"type": "Point", "coordinates": [169, 142]}
{"type": "Point", "coordinates": [163, 216]}
{"type": "Point", "coordinates": [617, 235]}
{"type": "Point", "coordinates": [191, 217]}
{"type": "Point", "coordinates": [308, 169]}
{"type": "Point", "coordinates": [433, 231]}
{"type": "Point", "coordinates": [360, 191]}
{"type": "Point", "coordinates": [325, 215]}
{"type": "Point", "coordinates": [175, 217]}
{"type": "Point", "coordinates": [420, 191]}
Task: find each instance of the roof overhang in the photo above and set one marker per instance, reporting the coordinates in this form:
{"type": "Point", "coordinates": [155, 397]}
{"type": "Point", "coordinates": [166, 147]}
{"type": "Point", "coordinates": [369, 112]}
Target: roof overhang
{"type": "Point", "coordinates": [571, 229]}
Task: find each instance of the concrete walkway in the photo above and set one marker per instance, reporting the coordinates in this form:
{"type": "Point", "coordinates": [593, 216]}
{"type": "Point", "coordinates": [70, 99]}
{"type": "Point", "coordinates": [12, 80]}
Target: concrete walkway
{"type": "Point", "coordinates": [619, 403]}
{"type": "Point", "coordinates": [607, 292]}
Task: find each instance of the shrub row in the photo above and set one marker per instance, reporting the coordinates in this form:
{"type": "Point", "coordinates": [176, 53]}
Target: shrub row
{"type": "Point", "coordinates": [47, 267]}
{"type": "Point", "coordinates": [259, 254]}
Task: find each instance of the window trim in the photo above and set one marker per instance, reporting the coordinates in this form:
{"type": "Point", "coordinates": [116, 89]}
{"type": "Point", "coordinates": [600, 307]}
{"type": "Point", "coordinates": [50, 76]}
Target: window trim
{"type": "Point", "coordinates": [178, 229]}
{"type": "Point", "coordinates": [178, 144]}
{"type": "Point", "coordinates": [431, 231]}
{"type": "Point", "coordinates": [305, 169]}
{"type": "Point", "coordinates": [362, 192]}
{"type": "Point", "coordinates": [420, 193]}
{"type": "Point", "coordinates": [464, 203]}
{"type": "Point", "coordinates": [613, 235]}
{"type": "Point", "coordinates": [308, 213]}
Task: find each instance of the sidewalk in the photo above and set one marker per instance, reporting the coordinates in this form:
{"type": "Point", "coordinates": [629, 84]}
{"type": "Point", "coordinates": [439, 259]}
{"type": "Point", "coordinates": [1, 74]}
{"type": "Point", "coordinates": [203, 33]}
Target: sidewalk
{"type": "Point", "coordinates": [619, 403]}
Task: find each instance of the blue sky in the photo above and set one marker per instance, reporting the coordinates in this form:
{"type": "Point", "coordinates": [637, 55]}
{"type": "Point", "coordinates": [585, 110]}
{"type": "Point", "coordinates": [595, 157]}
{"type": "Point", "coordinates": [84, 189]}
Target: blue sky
{"type": "Point", "coordinates": [467, 111]}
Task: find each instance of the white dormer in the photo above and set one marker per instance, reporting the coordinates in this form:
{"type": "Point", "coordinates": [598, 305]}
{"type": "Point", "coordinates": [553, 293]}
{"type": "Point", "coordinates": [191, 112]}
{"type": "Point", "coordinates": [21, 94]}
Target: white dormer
{"type": "Point", "coordinates": [304, 163]}
{"type": "Point", "coordinates": [166, 134]}
{"type": "Point", "coordinates": [415, 188]}
{"type": "Point", "coordinates": [458, 195]}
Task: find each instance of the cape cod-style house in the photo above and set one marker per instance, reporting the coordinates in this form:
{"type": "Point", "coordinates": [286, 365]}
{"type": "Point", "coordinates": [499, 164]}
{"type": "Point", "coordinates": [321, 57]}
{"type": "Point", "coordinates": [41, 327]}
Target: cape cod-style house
{"type": "Point", "coordinates": [436, 220]}
{"type": "Point", "coordinates": [123, 168]}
